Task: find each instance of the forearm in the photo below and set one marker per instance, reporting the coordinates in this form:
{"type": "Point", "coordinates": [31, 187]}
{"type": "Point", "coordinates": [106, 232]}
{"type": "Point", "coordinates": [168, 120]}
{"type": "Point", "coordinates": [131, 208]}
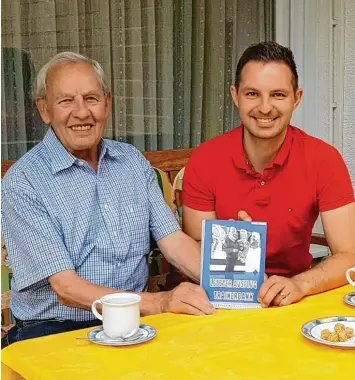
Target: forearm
{"type": "Point", "coordinates": [326, 275]}
{"type": "Point", "coordinates": [183, 252]}
{"type": "Point", "coordinates": [187, 257]}
{"type": "Point", "coordinates": [81, 293]}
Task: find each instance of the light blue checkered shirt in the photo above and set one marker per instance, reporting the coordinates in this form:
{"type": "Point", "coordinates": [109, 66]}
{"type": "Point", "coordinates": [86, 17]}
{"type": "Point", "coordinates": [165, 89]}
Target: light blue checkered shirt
{"type": "Point", "coordinates": [59, 214]}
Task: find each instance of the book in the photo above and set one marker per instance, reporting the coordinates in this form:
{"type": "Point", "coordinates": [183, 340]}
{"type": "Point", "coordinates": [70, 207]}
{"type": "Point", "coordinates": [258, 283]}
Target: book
{"type": "Point", "coordinates": [233, 262]}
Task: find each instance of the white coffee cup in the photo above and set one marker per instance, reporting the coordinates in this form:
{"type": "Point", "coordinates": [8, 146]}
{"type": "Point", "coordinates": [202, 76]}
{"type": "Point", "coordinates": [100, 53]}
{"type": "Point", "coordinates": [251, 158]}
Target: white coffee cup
{"type": "Point", "coordinates": [120, 314]}
{"type": "Point", "coordinates": [351, 282]}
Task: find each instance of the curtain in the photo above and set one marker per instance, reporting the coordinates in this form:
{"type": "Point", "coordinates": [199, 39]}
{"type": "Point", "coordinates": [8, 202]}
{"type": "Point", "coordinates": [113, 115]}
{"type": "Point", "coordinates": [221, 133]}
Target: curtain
{"type": "Point", "coordinates": [170, 64]}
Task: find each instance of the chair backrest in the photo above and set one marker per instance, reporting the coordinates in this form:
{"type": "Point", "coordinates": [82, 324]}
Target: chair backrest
{"type": "Point", "coordinates": [177, 187]}
{"type": "Point", "coordinates": [7, 319]}
{"type": "Point", "coordinates": [166, 188]}
{"type": "Point", "coordinates": [170, 161]}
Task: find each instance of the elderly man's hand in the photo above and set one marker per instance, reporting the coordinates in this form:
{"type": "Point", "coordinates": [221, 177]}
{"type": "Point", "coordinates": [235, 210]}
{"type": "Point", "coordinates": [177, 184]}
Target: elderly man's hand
{"type": "Point", "coordinates": [280, 291]}
{"type": "Point", "coordinates": [187, 298]}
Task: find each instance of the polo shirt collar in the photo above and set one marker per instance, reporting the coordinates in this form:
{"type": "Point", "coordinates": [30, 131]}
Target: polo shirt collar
{"type": "Point", "coordinates": [240, 158]}
{"type": "Point", "coordinates": [60, 158]}
{"type": "Point", "coordinates": [284, 151]}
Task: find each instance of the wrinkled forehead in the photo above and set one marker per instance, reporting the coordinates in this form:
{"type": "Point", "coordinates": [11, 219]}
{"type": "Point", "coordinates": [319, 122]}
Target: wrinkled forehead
{"type": "Point", "coordinates": [71, 75]}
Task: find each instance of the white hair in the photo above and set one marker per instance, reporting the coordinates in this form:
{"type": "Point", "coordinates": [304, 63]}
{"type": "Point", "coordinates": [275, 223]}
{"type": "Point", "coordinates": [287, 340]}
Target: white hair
{"type": "Point", "coordinates": [67, 57]}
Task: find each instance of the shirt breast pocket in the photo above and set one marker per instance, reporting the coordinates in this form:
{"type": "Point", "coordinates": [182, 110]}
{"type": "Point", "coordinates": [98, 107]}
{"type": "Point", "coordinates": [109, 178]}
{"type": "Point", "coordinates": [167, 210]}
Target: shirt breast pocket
{"type": "Point", "coordinates": [297, 226]}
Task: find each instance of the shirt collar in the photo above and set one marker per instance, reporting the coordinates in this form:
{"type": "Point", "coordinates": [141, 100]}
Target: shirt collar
{"type": "Point", "coordinates": [61, 158]}
{"type": "Point", "coordinates": [106, 147]}
{"type": "Point", "coordinates": [284, 151]}
{"type": "Point", "coordinates": [240, 158]}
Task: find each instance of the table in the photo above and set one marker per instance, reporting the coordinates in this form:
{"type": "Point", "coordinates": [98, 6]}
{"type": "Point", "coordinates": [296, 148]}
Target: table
{"type": "Point", "coordinates": [231, 344]}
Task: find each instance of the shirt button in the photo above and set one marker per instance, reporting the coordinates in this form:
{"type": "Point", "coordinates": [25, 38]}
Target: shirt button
{"type": "Point", "coordinates": [106, 206]}
{"type": "Point", "coordinates": [262, 183]}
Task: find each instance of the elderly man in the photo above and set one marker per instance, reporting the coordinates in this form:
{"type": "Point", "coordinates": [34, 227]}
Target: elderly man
{"type": "Point", "coordinates": [276, 173]}
{"type": "Point", "coordinates": [78, 212]}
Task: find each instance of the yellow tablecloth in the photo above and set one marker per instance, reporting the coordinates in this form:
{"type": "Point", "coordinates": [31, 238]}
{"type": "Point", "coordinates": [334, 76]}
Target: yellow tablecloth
{"type": "Point", "coordinates": [232, 344]}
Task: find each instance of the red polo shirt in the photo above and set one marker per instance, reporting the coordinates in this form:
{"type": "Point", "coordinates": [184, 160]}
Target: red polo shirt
{"type": "Point", "coordinates": [306, 177]}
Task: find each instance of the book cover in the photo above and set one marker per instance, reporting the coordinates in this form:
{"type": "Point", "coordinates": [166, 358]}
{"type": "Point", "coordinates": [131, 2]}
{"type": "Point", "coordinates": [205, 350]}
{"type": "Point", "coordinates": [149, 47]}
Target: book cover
{"type": "Point", "coordinates": [233, 262]}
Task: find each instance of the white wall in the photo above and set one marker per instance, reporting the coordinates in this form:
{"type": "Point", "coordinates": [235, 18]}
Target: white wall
{"type": "Point", "coordinates": [313, 29]}
{"type": "Point", "coordinates": [321, 33]}
{"type": "Point", "coordinates": [349, 89]}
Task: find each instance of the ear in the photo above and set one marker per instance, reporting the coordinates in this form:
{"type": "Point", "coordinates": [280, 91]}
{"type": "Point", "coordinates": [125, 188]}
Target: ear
{"type": "Point", "coordinates": [298, 97]}
{"type": "Point", "coordinates": [234, 94]}
{"type": "Point", "coordinates": [42, 108]}
{"type": "Point", "coordinates": [108, 104]}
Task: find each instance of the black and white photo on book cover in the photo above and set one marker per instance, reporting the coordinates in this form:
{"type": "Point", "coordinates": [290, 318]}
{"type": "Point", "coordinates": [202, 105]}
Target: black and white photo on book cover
{"type": "Point", "coordinates": [235, 249]}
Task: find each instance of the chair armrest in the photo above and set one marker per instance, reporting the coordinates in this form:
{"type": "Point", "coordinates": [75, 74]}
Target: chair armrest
{"type": "Point", "coordinates": [319, 239]}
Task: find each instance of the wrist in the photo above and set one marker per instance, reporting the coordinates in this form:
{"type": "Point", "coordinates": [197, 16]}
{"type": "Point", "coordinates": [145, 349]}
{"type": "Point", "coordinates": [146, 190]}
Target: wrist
{"type": "Point", "coordinates": [151, 303]}
{"type": "Point", "coordinates": [163, 302]}
{"type": "Point", "coordinates": [302, 285]}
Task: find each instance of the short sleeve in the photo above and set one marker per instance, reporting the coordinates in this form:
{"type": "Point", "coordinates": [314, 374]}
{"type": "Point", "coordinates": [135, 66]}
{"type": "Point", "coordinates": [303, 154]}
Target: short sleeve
{"type": "Point", "coordinates": [33, 241]}
{"type": "Point", "coordinates": [162, 221]}
{"type": "Point", "coordinates": [196, 190]}
{"type": "Point", "coordinates": [334, 188]}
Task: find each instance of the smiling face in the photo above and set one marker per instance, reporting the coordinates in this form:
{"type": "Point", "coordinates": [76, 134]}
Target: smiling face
{"type": "Point", "coordinates": [233, 235]}
{"type": "Point", "coordinates": [254, 240]}
{"type": "Point", "coordinates": [243, 234]}
{"type": "Point", "coordinates": [76, 107]}
{"type": "Point", "coordinates": [266, 99]}
{"type": "Point", "coordinates": [241, 245]}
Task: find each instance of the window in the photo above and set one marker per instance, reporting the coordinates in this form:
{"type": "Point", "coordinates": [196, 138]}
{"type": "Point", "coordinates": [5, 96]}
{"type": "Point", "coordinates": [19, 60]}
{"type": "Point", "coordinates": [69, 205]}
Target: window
{"type": "Point", "coordinates": [170, 64]}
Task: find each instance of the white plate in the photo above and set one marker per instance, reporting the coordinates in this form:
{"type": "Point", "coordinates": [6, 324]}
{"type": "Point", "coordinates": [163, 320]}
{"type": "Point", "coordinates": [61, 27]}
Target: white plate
{"type": "Point", "coordinates": [98, 336]}
{"type": "Point", "coordinates": [350, 299]}
{"type": "Point", "coordinates": [312, 330]}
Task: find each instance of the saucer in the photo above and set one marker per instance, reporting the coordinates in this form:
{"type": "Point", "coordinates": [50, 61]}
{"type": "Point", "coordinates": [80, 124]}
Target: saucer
{"type": "Point", "coordinates": [98, 336]}
{"type": "Point", "coordinates": [312, 330]}
{"type": "Point", "coordinates": [350, 298]}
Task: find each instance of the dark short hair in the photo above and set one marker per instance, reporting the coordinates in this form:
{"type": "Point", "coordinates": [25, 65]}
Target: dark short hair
{"type": "Point", "coordinates": [268, 51]}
